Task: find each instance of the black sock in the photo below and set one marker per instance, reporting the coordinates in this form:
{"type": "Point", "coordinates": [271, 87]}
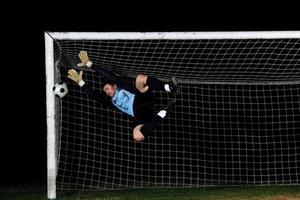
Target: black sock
{"type": "Point", "coordinates": [150, 126]}
{"type": "Point", "coordinates": [155, 84]}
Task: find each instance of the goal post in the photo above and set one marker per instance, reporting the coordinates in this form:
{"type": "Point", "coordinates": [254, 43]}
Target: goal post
{"type": "Point", "coordinates": [239, 109]}
{"type": "Point", "coordinates": [51, 117]}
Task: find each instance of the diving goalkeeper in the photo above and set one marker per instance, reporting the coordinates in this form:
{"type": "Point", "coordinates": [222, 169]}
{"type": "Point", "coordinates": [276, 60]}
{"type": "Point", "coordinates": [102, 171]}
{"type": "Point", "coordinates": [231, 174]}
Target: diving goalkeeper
{"type": "Point", "coordinates": [137, 102]}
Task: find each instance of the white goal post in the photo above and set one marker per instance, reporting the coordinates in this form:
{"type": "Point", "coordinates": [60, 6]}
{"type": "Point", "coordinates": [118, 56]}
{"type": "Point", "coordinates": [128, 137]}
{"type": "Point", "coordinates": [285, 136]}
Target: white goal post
{"type": "Point", "coordinates": [52, 74]}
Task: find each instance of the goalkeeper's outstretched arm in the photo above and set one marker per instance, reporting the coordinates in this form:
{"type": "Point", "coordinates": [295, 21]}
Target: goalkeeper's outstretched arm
{"type": "Point", "coordinates": [109, 75]}
{"type": "Point", "coordinates": [77, 78]}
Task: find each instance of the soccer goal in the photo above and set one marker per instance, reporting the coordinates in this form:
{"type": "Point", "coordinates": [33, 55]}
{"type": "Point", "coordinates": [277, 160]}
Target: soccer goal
{"type": "Point", "coordinates": [236, 119]}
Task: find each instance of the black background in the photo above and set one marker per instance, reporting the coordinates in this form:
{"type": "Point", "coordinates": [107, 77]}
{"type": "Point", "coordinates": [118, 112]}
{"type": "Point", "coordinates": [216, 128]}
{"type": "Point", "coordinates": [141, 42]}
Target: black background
{"type": "Point", "coordinates": [23, 124]}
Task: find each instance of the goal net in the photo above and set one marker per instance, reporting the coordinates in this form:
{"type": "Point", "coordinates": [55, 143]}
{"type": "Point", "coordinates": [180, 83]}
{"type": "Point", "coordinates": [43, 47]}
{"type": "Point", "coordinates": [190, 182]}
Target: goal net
{"type": "Point", "coordinates": [236, 119]}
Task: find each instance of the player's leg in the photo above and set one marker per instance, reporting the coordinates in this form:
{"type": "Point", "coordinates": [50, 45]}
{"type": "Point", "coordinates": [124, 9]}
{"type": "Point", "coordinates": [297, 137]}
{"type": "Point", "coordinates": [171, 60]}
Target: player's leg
{"type": "Point", "coordinates": [149, 127]}
{"type": "Point", "coordinates": [142, 131]}
{"type": "Point", "coordinates": [144, 82]}
{"type": "Point", "coordinates": [137, 134]}
{"type": "Point", "coordinates": [141, 83]}
{"type": "Point", "coordinates": [144, 110]}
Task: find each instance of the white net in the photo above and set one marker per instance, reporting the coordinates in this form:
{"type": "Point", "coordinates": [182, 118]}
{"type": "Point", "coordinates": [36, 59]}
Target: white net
{"type": "Point", "coordinates": [236, 121]}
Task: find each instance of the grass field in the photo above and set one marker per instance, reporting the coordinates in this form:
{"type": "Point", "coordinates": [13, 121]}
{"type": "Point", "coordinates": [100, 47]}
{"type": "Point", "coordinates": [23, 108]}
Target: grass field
{"type": "Point", "coordinates": [208, 193]}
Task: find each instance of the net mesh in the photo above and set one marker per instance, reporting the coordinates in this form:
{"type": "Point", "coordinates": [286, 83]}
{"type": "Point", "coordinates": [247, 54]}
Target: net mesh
{"type": "Point", "coordinates": [236, 121]}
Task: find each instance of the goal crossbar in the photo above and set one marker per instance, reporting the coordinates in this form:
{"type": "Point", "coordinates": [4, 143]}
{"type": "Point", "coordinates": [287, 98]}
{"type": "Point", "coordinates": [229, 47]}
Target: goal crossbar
{"type": "Point", "coordinates": [172, 35]}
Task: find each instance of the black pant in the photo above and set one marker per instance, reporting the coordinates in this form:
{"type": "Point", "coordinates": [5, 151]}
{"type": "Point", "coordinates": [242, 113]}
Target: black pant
{"type": "Point", "coordinates": [143, 107]}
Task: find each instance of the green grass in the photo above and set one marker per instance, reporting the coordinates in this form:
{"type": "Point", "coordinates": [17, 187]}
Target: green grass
{"type": "Point", "coordinates": [207, 193]}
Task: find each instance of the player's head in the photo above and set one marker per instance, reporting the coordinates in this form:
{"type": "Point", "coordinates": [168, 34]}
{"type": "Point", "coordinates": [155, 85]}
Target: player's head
{"type": "Point", "coordinates": [110, 89]}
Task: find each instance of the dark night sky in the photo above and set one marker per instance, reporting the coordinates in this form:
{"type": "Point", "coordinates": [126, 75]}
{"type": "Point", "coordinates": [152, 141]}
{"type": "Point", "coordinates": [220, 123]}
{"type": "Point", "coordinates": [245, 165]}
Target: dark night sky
{"type": "Point", "coordinates": [23, 136]}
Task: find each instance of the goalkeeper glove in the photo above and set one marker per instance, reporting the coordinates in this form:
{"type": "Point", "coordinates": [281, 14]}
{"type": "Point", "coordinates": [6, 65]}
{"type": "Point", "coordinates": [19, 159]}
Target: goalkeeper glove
{"type": "Point", "coordinates": [75, 76]}
{"type": "Point", "coordinates": [84, 60]}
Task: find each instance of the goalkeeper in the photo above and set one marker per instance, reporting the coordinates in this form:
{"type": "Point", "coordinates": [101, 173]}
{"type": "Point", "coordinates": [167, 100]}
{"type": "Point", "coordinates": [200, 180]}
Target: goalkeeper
{"type": "Point", "coordinates": [137, 102]}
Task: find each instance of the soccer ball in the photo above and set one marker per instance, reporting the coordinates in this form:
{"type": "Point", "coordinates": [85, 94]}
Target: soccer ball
{"type": "Point", "coordinates": [60, 89]}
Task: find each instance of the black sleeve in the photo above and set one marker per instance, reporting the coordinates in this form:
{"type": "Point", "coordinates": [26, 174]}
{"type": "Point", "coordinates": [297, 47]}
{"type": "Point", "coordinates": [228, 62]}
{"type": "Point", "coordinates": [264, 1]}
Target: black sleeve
{"type": "Point", "coordinates": [119, 81]}
{"type": "Point", "coordinates": [99, 96]}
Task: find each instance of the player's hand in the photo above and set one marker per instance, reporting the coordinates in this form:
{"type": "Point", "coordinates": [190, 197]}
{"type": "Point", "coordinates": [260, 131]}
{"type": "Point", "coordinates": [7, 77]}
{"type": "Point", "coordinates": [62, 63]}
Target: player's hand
{"type": "Point", "coordinates": [84, 59]}
{"type": "Point", "coordinates": [74, 75]}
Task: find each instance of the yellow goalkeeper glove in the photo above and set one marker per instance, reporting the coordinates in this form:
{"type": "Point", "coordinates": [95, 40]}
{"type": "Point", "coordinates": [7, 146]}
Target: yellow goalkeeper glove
{"type": "Point", "coordinates": [75, 76]}
{"type": "Point", "coordinates": [84, 59]}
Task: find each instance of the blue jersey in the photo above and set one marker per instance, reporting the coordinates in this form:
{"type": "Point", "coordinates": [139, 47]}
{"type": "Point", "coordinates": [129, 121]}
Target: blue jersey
{"type": "Point", "coordinates": [123, 100]}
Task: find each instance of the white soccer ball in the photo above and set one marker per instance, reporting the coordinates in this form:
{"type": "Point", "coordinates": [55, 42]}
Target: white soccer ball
{"type": "Point", "coordinates": [60, 89]}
